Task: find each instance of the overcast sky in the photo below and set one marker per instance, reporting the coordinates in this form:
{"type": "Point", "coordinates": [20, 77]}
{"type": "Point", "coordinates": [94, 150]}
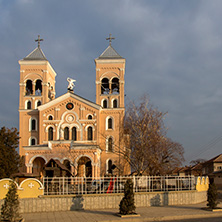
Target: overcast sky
{"type": "Point", "coordinates": [173, 52]}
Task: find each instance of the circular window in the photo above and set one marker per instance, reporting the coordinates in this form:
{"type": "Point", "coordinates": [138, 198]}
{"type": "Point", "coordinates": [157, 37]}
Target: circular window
{"type": "Point", "coordinates": [70, 118]}
{"type": "Point", "coordinates": [69, 106]}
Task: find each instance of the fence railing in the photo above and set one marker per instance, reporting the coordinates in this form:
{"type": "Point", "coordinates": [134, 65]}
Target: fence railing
{"type": "Point", "coordinates": [103, 185]}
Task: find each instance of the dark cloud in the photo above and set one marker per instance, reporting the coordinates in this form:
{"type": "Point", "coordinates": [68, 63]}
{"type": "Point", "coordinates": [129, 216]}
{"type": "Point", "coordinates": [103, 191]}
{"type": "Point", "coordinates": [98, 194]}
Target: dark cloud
{"type": "Point", "coordinates": [173, 51]}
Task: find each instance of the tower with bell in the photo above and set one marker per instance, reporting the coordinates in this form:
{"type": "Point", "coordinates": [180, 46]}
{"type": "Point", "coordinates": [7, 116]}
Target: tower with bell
{"type": "Point", "coordinates": [37, 87]}
{"type": "Point", "coordinates": [110, 70]}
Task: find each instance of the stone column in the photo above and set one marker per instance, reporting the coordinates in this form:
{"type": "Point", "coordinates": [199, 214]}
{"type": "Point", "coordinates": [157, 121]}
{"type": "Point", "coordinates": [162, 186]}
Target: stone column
{"type": "Point", "coordinates": [72, 170]}
{"type": "Point", "coordinates": [21, 96]}
{"type": "Point", "coordinates": [33, 88]}
{"type": "Point", "coordinates": [93, 170]}
{"type": "Point", "coordinates": [29, 167]}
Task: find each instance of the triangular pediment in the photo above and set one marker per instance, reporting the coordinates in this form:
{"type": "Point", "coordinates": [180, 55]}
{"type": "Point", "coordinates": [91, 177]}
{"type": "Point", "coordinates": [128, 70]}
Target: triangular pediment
{"type": "Point", "coordinates": [66, 96]}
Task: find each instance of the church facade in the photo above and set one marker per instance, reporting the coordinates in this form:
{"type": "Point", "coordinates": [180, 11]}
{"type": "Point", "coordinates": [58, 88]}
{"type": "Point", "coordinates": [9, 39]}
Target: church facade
{"type": "Point", "coordinates": [81, 136]}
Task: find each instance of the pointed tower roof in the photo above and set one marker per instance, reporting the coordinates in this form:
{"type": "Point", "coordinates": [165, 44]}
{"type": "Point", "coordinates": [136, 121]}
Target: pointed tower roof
{"type": "Point", "coordinates": [36, 54]}
{"type": "Point", "coordinates": [110, 52]}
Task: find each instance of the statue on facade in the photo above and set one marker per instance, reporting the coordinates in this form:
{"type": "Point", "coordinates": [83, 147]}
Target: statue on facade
{"type": "Point", "coordinates": [71, 84]}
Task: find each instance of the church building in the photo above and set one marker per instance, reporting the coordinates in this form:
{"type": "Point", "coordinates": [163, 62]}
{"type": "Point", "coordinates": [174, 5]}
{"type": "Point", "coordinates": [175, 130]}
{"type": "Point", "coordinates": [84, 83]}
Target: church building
{"type": "Point", "coordinates": [79, 136]}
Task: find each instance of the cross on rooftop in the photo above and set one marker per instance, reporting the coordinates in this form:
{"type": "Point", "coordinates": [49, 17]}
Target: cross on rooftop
{"type": "Point", "coordinates": [110, 38]}
{"type": "Point", "coordinates": [38, 40]}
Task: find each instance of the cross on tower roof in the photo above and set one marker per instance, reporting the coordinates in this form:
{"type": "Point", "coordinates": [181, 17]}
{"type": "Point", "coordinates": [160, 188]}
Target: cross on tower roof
{"type": "Point", "coordinates": [110, 38]}
{"type": "Point", "coordinates": [38, 40]}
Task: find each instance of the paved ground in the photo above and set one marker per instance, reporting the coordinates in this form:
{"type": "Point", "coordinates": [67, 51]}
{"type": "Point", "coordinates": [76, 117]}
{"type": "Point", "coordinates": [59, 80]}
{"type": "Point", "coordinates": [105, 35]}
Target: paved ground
{"type": "Point", "coordinates": [212, 219]}
{"type": "Point", "coordinates": [165, 213]}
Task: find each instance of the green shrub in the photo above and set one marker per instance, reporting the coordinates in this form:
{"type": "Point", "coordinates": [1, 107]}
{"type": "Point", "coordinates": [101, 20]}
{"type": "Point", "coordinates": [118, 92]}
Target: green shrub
{"type": "Point", "coordinates": [127, 204]}
{"type": "Point", "coordinates": [10, 207]}
{"type": "Point", "coordinates": [212, 196]}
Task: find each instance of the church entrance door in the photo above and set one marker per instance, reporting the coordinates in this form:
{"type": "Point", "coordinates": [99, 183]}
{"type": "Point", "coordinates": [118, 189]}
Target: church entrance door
{"type": "Point", "coordinates": [84, 167]}
{"type": "Point", "coordinates": [38, 165]}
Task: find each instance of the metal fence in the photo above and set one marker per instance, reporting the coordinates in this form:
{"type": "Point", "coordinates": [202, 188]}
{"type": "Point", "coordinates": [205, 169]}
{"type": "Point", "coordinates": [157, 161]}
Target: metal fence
{"type": "Point", "coordinates": [103, 185]}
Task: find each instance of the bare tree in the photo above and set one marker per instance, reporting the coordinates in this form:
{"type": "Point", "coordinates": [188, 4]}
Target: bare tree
{"type": "Point", "coordinates": [147, 148]}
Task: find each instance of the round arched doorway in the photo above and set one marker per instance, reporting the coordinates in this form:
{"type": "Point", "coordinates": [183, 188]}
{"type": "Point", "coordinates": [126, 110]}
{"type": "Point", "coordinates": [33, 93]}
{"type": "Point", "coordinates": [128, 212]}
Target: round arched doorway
{"type": "Point", "coordinates": [84, 167]}
{"type": "Point", "coordinates": [38, 165]}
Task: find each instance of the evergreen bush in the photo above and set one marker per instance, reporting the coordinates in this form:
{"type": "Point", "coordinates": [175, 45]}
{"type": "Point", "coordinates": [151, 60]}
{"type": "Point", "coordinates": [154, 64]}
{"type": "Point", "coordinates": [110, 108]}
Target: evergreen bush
{"type": "Point", "coordinates": [212, 196]}
{"type": "Point", "coordinates": [10, 207]}
{"type": "Point", "coordinates": [127, 204]}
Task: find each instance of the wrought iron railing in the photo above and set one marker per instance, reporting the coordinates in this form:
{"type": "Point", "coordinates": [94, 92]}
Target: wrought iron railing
{"type": "Point", "coordinates": [103, 185]}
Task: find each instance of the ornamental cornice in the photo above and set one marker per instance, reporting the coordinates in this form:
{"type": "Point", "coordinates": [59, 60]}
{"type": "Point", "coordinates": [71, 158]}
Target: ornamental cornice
{"type": "Point", "coordinates": [51, 121]}
{"type": "Point", "coordinates": [34, 152]}
{"type": "Point", "coordinates": [49, 110]}
{"type": "Point", "coordinates": [29, 70]}
{"type": "Point", "coordinates": [61, 146]}
{"type": "Point", "coordinates": [113, 112]}
{"type": "Point", "coordinates": [48, 123]}
{"type": "Point", "coordinates": [87, 121]}
{"type": "Point", "coordinates": [110, 68]}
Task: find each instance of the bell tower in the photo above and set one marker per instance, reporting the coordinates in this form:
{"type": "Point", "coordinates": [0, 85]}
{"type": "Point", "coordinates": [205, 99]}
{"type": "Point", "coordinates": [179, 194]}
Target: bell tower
{"type": "Point", "coordinates": [37, 79]}
{"type": "Point", "coordinates": [110, 70]}
{"type": "Point", "coordinates": [37, 87]}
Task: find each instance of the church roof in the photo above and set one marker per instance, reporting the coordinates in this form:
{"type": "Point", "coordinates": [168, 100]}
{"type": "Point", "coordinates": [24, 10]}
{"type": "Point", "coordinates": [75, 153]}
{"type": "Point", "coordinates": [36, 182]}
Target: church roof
{"type": "Point", "coordinates": [36, 54]}
{"type": "Point", "coordinates": [67, 95]}
{"type": "Point", "coordinates": [110, 53]}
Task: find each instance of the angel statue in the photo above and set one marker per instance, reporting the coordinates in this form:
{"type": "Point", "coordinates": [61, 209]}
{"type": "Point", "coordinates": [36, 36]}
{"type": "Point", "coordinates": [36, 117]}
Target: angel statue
{"type": "Point", "coordinates": [71, 84]}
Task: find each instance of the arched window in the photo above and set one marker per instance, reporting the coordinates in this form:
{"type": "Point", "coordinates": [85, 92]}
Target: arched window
{"type": "Point", "coordinates": [105, 86]}
{"type": "Point", "coordinates": [29, 105]}
{"type": "Point", "coordinates": [66, 133]}
{"type": "Point", "coordinates": [115, 86]}
{"type": "Point", "coordinates": [33, 124]}
{"type": "Point", "coordinates": [28, 88]}
{"type": "Point", "coordinates": [74, 134]}
{"type": "Point", "coordinates": [39, 103]}
{"type": "Point", "coordinates": [110, 163]}
{"type": "Point", "coordinates": [33, 142]}
{"type": "Point", "coordinates": [89, 116]}
{"type": "Point", "coordinates": [110, 123]}
{"type": "Point", "coordinates": [115, 105]}
{"type": "Point", "coordinates": [105, 103]}
{"type": "Point", "coordinates": [110, 144]}
{"type": "Point", "coordinates": [50, 117]}
{"type": "Point", "coordinates": [90, 133]}
{"type": "Point", "coordinates": [50, 133]}
{"type": "Point", "coordinates": [38, 87]}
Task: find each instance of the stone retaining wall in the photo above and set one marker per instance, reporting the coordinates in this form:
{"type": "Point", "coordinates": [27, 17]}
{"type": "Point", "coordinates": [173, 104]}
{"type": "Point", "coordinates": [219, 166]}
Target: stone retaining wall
{"type": "Point", "coordinates": [105, 201]}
